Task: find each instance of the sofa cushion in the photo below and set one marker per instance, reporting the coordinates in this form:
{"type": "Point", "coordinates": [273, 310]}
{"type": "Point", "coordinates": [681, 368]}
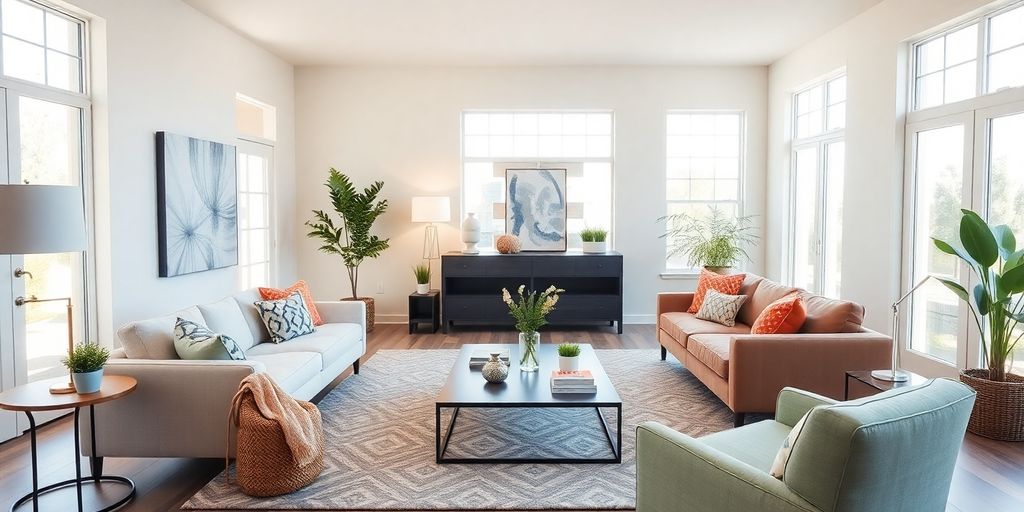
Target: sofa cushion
{"type": "Point", "coordinates": [291, 370]}
{"type": "Point", "coordinates": [784, 316]}
{"type": "Point", "coordinates": [331, 341]}
{"type": "Point", "coordinates": [246, 300]}
{"type": "Point", "coordinates": [303, 289]}
{"type": "Point", "coordinates": [826, 315]}
{"type": "Point", "coordinates": [154, 338]}
{"type": "Point", "coordinates": [721, 308]}
{"type": "Point", "coordinates": [286, 318]}
{"type": "Point", "coordinates": [681, 325]}
{"type": "Point", "coordinates": [728, 284]}
{"type": "Point", "coordinates": [766, 292]}
{"type": "Point", "coordinates": [225, 317]}
{"type": "Point", "coordinates": [712, 350]}
{"type": "Point", "coordinates": [193, 341]}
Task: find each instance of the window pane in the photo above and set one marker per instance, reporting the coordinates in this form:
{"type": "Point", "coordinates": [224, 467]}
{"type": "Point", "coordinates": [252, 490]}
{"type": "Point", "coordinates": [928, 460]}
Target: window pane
{"type": "Point", "coordinates": [961, 82]}
{"type": "Point", "coordinates": [805, 207]}
{"type": "Point", "coordinates": [835, 154]}
{"type": "Point", "coordinates": [51, 142]}
{"type": "Point", "coordinates": [525, 124]}
{"type": "Point", "coordinates": [63, 71]}
{"type": "Point", "coordinates": [23, 21]}
{"type": "Point", "coordinates": [837, 90]}
{"type": "Point", "coordinates": [938, 192]}
{"type": "Point", "coordinates": [930, 56]}
{"type": "Point", "coordinates": [501, 124]}
{"type": "Point", "coordinates": [1006, 187]}
{"type": "Point", "coordinates": [1006, 69]}
{"type": "Point", "coordinates": [63, 34]}
{"type": "Point", "coordinates": [599, 124]}
{"type": "Point", "coordinates": [24, 60]}
{"type": "Point", "coordinates": [1006, 30]}
{"type": "Point", "coordinates": [474, 124]}
{"type": "Point", "coordinates": [929, 90]}
{"type": "Point", "coordinates": [962, 46]}
{"type": "Point", "coordinates": [574, 124]}
{"type": "Point", "coordinates": [549, 124]}
{"type": "Point", "coordinates": [803, 102]}
{"type": "Point", "coordinates": [525, 145]}
{"type": "Point", "coordinates": [475, 146]}
{"type": "Point", "coordinates": [837, 117]}
{"type": "Point", "coordinates": [501, 145]}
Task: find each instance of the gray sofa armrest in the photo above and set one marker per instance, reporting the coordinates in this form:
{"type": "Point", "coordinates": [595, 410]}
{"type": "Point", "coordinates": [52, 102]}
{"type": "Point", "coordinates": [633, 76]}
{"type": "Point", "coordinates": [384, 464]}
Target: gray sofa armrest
{"type": "Point", "coordinates": [794, 403]}
{"type": "Point", "coordinates": [675, 472]}
{"type": "Point", "coordinates": [179, 409]}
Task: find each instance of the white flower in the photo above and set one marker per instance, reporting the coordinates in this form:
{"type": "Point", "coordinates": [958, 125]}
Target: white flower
{"type": "Point", "coordinates": [506, 297]}
{"type": "Point", "coordinates": [550, 289]}
{"type": "Point", "coordinates": [521, 288]}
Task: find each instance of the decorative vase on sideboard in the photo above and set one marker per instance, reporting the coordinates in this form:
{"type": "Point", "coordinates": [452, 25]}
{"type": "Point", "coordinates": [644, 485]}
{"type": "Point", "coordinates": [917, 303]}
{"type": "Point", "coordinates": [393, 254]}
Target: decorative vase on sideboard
{"type": "Point", "coordinates": [471, 234]}
{"type": "Point", "coordinates": [370, 310]}
{"type": "Point", "coordinates": [88, 382]}
{"type": "Point", "coordinates": [998, 407]}
{"type": "Point", "coordinates": [595, 247]}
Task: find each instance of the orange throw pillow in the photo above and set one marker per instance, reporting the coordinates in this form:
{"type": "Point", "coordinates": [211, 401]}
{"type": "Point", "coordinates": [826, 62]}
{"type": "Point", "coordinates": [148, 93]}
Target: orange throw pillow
{"type": "Point", "coordinates": [784, 316]}
{"type": "Point", "coordinates": [729, 284]}
{"type": "Point", "coordinates": [303, 289]}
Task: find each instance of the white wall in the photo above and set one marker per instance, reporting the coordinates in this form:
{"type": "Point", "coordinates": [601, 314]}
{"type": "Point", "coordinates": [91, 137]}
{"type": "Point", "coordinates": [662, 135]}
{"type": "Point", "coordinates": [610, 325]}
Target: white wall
{"type": "Point", "coordinates": [162, 65]}
{"type": "Point", "coordinates": [873, 48]}
{"type": "Point", "coordinates": [402, 126]}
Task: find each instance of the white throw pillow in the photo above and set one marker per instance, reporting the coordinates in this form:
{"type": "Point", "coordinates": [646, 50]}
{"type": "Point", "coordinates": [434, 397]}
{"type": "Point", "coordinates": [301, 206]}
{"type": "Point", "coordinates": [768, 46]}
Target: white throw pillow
{"type": "Point", "coordinates": [721, 308]}
{"type": "Point", "coordinates": [782, 458]}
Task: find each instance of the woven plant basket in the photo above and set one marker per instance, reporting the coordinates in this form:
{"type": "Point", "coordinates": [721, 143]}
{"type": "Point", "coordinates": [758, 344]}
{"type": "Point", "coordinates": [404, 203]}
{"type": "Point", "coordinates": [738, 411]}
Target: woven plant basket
{"type": "Point", "coordinates": [370, 310]}
{"type": "Point", "coordinates": [998, 408]}
{"type": "Point", "coordinates": [264, 463]}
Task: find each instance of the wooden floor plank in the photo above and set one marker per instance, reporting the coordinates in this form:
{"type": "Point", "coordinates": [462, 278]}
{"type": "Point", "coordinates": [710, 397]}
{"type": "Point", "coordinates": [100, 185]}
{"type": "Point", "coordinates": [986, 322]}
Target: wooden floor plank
{"type": "Point", "coordinates": [989, 474]}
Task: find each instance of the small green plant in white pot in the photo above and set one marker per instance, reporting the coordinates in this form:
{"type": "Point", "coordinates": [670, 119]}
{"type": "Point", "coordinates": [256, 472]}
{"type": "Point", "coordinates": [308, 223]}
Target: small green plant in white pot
{"type": "Point", "coordinates": [422, 273]}
{"type": "Point", "coordinates": [568, 357]}
{"type": "Point", "coordinates": [86, 362]}
{"type": "Point", "coordinates": [594, 240]}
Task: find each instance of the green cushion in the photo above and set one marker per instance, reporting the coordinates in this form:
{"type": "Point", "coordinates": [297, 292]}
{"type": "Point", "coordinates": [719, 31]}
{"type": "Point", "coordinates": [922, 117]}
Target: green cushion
{"type": "Point", "coordinates": [756, 444]}
{"type": "Point", "coordinates": [197, 342]}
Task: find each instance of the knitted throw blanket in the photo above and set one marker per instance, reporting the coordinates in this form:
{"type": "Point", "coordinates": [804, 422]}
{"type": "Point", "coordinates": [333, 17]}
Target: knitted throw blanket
{"type": "Point", "coordinates": [275, 404]}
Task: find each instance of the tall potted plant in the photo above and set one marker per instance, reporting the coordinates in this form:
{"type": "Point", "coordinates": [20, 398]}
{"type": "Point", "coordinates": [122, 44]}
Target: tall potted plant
{"type": "Point", "coordinates": [715, 241]}
{"type": "Point", "coordinates": [997, 305]}
{"type": "Point", "coordinates": [351, 239]}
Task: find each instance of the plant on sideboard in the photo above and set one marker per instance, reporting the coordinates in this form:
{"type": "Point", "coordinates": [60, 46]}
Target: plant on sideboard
{"type": "Point", "coordinates": [352, 239]}
{"type": "Point", "coordinates": [997, 306]}
{"type": "Point", "coordinates": [530, 312]}
{"type": "Point", "coordinates": [714, 241]}
{"type": "Point", "coordinates": [86, 362]}
{"type": "Point", "coordinates": [422, 273]}
{"type": "Point", "coordinates": [594, 240]}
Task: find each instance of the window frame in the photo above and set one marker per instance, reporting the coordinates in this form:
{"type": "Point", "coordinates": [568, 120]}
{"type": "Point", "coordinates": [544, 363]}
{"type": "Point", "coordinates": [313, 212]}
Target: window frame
{"type": "Point", "coordinates": [270, 213]}
{"type": "Point", "coordinates": [672, 272]}
{"type": "Point", "coordinates": [85, 78]}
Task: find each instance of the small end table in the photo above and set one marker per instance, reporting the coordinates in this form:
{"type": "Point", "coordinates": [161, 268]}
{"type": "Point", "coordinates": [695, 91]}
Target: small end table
{"type": "Point", "coordinates": [864, 377]}
{"type": "Point", "coordinates": [425, 308]}
{"type": "Point", "coordinates": [36, 397]}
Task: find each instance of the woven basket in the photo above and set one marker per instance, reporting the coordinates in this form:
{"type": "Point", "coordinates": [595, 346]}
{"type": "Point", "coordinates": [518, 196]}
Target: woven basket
{"type": "Point", "coordinates": [264, 463]}
{"type": "Point", "coordinates": [370, 310]}
{"type": "Point", "coordinates": [998, 408]}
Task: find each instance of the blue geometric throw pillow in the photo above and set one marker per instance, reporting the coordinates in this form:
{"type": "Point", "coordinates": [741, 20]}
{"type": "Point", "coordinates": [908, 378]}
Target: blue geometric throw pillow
{"type": "Point", "coordinates": [285, 318]}
{"type": "Point", "coordinates": [197, 342]}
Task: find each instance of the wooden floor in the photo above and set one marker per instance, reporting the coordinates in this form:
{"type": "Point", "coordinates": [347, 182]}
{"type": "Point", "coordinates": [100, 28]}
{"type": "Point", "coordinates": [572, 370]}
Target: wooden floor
{"type": "Point", "coordinates": [989, 474]}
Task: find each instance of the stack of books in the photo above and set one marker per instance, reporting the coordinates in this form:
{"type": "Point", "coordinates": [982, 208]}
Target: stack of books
{"type": "Point", "coordinates": [579, 382]}
{"type": "Point", "coordinates": [479, 357]}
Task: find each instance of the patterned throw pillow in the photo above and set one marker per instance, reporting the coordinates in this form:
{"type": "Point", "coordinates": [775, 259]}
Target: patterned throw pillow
{"type": "Point", "coordinates": [784, 316]}
{"type": "Point", "coordinates": [728, 284]}
{"type": "Point", "coordinates": [285, 318]}
{"type": "Point", "coordinates": [301, 287]}
{"type": "Point", "coordinates": [782, 458]}
{"type": "Point", "coordinates": [721, 308]}
{"type": "Point", "coordinates": [197, 342]}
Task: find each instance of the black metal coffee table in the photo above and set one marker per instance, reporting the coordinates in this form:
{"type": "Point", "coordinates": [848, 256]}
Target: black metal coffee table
{"type": "Point", "coordinates": [466, 388]}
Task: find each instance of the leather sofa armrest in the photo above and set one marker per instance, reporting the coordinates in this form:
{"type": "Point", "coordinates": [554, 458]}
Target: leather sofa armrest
{"type": "Point", "coordinates": [760, 366]}
{"type": "Point", "coordinates": [794, 403]}
{"type": "Point", "coordinates": [674, 302]}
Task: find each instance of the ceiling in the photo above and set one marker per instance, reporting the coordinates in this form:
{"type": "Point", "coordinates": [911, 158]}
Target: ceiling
{"type": "Point", "coordinates": [531, 32]}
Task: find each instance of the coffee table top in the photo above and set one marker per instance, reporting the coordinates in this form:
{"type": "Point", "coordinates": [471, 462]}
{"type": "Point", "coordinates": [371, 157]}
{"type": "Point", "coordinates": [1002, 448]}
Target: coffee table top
{"type": "Point", "coordinates": [467, 387]}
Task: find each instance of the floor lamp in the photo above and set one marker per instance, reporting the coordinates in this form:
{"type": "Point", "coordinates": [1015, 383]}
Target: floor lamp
{"type": "Point", "coordinates": [43, 219]}
{"type": "Point", "coordinates": [431, 209]}
{"type": "Point", "coordinates": [894, 374]}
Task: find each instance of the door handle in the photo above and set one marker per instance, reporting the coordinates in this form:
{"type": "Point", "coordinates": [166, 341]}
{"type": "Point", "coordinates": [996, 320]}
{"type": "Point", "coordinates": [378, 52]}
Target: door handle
{"type": "Point", "coordinates": [20, 272]}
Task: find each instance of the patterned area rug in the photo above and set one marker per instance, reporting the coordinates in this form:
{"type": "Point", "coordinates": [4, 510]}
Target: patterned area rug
{"type": "Point", "coordinates": [380, 442]}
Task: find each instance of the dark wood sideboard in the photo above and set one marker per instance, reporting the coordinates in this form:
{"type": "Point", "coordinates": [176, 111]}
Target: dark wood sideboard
{"type": "Point", "coordinates": [471, 286]}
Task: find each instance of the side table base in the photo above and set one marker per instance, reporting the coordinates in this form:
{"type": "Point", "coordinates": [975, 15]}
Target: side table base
{"type": "Point", "coordinates": [32, 496]}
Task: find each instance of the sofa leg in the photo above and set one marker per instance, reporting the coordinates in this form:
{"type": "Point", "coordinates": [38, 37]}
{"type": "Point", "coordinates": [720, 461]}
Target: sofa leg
{"type": "Point", "coordinates": [96, 466]}
{"type": "Point", "coordinates": [738, 421]}
{"type": "Point", "coordinates": [664, 353]}
{"type": "Point", "coordinates": [355, 367]}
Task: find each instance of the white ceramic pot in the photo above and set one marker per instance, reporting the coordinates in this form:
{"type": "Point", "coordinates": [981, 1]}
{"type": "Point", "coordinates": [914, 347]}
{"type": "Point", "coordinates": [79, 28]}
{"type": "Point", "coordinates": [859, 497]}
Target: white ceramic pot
{"type": "Point", "coordinates": [89, 382]}
{"type": "Point", "coordinates": [471, 234]}
{"type": "Point", "coordinates": [595, 247]}
{"type": "Point", "coordinates": [568, 364]}
{"type": "Point", "coordinates": [423, 289]}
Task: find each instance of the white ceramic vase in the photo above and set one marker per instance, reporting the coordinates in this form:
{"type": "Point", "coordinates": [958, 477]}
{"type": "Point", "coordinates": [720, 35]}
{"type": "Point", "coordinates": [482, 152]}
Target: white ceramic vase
{"type": "Point", "coordinates": [595, 247]}
{"type": "Point", "coordinates": [423, 289]}
{"type": "Point", "coordinates": [568, 364]}
{"type": "Point", "coordinates": [471, 234]}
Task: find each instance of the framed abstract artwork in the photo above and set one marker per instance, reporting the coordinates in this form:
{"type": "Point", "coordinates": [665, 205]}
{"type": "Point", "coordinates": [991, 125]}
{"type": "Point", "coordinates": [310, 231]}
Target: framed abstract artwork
{"type": "Point", "coordinates": [196, 205]}
{"type": "Point", "coordinates": [535, 208]}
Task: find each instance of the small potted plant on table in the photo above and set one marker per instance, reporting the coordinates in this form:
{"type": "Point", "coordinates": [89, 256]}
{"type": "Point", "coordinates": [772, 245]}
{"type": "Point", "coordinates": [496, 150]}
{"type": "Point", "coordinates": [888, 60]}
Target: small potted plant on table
{"type": "Point", "coordinates": [422, 273]}
{"type": "Point", "coordinates": [568, 357]}
{"type": "Point", "coordinates": [594, 240]}
{"type": "Point", "coordinates": [86, 362]}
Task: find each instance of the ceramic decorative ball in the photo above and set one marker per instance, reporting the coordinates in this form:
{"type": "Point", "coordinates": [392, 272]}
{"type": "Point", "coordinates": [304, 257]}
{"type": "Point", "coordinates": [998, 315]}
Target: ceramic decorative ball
{"type": "Point", "coordinates": [495, 370]}
{"type": "Point", "coordinates": [508, 244]}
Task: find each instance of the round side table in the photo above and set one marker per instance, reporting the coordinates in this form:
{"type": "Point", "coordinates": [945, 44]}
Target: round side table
{"type": "Point", "coordinates": [36, 397]}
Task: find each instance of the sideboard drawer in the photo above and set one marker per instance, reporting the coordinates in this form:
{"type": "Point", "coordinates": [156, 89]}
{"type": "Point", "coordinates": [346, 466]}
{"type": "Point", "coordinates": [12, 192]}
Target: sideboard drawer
{"type": "Point", "coordinates": [554, 266]}
{"type": "Point", "coordinates": [464, 266]}
{"type": "Point", "coordinates": [479, 308]}
{"type": "Point", "coordinates": [599, 266]}
{"type": "Point", "coordinates": [508, 266]}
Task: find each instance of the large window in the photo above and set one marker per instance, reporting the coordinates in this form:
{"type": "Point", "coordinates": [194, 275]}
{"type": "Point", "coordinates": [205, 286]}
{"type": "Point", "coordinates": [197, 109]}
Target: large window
{"type": "Point", "coordinates": [980, 57]}
{"type": "Point", "coordinates": [42, 45]}
{"type": "Point", "coordinates": [816, 191]}
{"type": "Point", "coordinates": [581, 141]}
{"type": "Point", "coordinates": [704, 166]}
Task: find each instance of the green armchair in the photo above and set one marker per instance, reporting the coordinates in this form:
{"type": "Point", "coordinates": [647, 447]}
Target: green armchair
{"type": "Point", "coordinates": [894, 451]}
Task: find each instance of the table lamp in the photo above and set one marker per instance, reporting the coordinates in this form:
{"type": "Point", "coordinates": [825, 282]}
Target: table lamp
{"type": "Point", "coordinates": [894, 374]}
{"type": "Point", "coordinates": [43, 219]}
{"type": "Point", "coordinates": [431, 209]}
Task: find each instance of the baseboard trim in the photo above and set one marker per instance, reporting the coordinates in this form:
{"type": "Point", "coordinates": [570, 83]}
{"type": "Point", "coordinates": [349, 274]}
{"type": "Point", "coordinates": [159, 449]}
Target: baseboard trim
{"type": "Point", "coordinates": [626, 319]}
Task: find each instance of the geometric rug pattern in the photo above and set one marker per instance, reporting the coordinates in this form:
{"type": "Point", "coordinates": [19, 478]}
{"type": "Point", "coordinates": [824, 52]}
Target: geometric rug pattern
{"type": "Point", "coordinates": [379, 428]}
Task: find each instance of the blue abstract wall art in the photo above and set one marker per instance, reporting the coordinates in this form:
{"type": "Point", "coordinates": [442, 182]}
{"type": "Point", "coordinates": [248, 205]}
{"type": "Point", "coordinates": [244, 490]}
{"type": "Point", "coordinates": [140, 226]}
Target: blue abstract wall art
{"type": "Point", "coordinates": [196, 205]}
{"type": "Point", "coordinates": [535, 208]}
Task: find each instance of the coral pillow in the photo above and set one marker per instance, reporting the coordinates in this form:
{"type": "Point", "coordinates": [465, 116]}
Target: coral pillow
{"type": "Point", "coordinates": [727, 284]}
{"type": "Point", "coordinates": [784, 316]}
{"type": "Point", "coordinates": [303, 289]}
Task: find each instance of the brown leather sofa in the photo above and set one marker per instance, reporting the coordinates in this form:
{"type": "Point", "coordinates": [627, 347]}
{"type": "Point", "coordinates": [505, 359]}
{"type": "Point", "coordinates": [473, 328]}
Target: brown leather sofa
{"type": "Point", "coordinates": [747, 371]}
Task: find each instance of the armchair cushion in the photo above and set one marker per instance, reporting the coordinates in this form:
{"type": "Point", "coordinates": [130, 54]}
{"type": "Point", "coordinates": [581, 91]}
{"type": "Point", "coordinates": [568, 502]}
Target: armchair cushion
{"type": "Point", "coordinates": [755, 444]}
{"type": "Point", "coordinates": [683, 325]}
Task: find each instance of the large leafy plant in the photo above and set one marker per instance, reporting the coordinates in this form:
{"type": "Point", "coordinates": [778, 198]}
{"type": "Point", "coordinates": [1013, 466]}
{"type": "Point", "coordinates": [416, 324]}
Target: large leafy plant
{"type": "Point", "coordinates": [995, 301]}
{"type": "Point", "coordinates": [712, 240]}
{"type": "Point", "coordinates": [351, 239]}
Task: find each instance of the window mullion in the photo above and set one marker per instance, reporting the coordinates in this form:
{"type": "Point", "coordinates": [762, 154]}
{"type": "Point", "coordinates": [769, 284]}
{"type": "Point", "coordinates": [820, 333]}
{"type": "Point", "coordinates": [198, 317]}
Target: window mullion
{"type": "Point", "coordinates": [981, 69]}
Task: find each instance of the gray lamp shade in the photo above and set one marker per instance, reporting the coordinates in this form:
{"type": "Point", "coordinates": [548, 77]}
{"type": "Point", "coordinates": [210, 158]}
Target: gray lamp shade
{"type": "Point", "coordinates": [41, 219]}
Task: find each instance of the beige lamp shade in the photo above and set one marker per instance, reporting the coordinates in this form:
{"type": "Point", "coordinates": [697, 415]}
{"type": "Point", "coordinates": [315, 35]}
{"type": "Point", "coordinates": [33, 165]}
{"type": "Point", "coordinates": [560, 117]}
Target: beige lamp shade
{"type": "Point", "coordinates": [431, 209]}
{"type": "Point", "coordinates": [41, 219]}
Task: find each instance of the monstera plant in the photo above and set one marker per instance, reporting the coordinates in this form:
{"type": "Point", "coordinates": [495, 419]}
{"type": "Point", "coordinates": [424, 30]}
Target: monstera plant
{"type": "Point", "coordinates": [997, 307]}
